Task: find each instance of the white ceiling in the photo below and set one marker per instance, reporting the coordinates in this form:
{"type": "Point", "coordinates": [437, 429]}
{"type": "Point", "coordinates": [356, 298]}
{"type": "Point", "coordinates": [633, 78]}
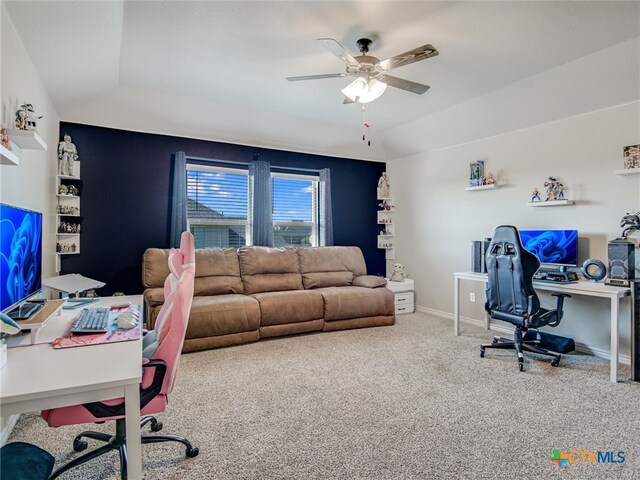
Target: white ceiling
{"type": "Point", "coordinates": [217, 70]}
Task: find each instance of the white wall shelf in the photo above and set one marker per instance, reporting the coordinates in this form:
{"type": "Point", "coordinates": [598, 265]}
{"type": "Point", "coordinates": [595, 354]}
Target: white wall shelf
{"type": "Point", "coordinates": [482, 187]}
{"type": "Point", "coordinates": [28, 139]}
{"type": "Point", "coordinates": [7, 157]}
{"type": "Point", "coordinates": [630, 172]}
{"type": "Point", "coordinates": [550, 203]}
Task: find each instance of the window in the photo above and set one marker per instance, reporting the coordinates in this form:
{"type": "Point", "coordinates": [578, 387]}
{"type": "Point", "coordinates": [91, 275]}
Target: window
{"type": "Point", "coordinates": [295, 210]}
{"type": "Point", "coordinates": [217, 206]}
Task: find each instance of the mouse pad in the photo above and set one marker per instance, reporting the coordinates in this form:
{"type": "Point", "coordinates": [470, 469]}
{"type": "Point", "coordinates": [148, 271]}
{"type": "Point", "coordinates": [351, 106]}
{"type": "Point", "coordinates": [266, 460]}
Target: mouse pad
{"type": "Point", "coordinates": [114, 334]}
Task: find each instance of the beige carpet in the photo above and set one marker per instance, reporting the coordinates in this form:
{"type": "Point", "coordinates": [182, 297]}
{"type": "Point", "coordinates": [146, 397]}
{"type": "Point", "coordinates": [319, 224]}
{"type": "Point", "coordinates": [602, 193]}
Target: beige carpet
{"type": "Point", "coordinates": [404, 402]}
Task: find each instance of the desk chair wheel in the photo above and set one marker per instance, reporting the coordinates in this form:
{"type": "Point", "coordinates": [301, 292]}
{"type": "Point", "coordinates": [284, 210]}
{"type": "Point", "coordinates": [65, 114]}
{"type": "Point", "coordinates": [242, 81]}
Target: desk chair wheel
{"type": "Point", "coordinates": [192, 452]}
{"type": "Point", "coordinates": [521, 366]}
{"type": "Point", "coordinates": [155, 426]}
{"type": "Point", "coordinates": [481, 352]}
{"type": "Point", "coordinates": [79, 445]}
{"type": "Point", "coordinates": [555, 363]}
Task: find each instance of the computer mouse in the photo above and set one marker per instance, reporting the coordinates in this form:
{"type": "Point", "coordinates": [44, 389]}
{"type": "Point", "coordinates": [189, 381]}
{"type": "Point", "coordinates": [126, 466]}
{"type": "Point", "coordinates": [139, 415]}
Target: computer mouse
{"type": "Point", "coordinates": [127, 320]}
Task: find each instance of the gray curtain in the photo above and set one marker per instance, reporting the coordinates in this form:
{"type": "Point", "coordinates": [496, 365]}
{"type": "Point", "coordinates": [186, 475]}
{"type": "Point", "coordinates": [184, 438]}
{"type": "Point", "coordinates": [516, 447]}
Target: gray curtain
{"type": "Point", "coordinates": [179, 196]}
{"type": "Point", "coordinates": [326, 214]}
{"type": "Point", "coordinates": [261, 215]}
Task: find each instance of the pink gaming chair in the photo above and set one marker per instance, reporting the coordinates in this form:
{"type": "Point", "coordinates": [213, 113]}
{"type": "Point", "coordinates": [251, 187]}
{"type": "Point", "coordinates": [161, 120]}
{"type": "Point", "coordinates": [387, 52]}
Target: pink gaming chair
{"type": "Point", "coordinates": [161, 353]}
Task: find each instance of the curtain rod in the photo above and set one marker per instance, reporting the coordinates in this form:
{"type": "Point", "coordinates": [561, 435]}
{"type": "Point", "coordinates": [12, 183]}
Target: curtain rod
{"type": "Point", "coordinates": [231, 162]}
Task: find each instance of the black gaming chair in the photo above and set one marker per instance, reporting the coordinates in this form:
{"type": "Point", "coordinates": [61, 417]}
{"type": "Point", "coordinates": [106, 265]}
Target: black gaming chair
{"type": "Point", "coordinates": [511, 297]}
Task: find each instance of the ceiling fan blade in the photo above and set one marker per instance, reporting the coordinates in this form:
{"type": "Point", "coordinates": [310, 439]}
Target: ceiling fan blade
{"type": "Point", "coordinates": [347, 100]}
{"type": "Point", "coordinates": [317, 77]}
{"type": "Point", "coordinates": [407, 85]}
{"type": "Point", "coordinates": [406, 58]}
{"type": "Point", "coordinates": [337, 49]}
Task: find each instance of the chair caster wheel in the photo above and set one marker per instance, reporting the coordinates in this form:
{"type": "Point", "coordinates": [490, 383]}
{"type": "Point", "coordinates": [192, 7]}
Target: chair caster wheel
{"type": "Point", "coordinates": [79, 445]}
{"type": "Point", "coordinates": [155, 426]}
{"type": "Point", "coordinates": [192, 452]}
{"type": "Point", "coordinates": [494, 341]}
{"type": "Point", "coordinates": [521, 366]}
{"type": "Point", "coordinates": [555, 363]}
{"type": "Point", "coordinates": [481, 352]}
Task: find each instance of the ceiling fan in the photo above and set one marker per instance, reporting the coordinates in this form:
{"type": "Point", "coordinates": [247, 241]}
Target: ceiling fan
{"type": "Point", "coordinates": [371, 73]}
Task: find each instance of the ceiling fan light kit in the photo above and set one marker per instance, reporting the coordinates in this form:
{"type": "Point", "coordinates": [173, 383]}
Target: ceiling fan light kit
{"type": "Point", "coordinates": [363, 91]}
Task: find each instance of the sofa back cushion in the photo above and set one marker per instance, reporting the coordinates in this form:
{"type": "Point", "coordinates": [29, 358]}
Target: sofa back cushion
{"type": "Point", "coordinates": [217, 270]}
{"type": "Point", "coordinates": [266, 269]}
{"type": "Point", "coordinates": [330, 266]}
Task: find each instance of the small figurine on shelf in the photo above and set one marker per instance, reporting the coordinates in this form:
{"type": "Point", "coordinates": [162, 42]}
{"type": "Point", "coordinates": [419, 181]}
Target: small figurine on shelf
{"type": "Point", "coordinates": [26, 118]}
{"type": "Point", "coordinates": [631, 155]}
{"type": "Point", "coordinates": [73, 190]}
{"type": "Point", "coordinates": [489, 180]}
{"type": "Point", "coordinates": [555, 189]}
{"type": "Point", "coordinates": [63, 190]}
{"type": "Point", "coordinates": [398, 274]}
{"type": "Point", "coordinates": [535, 195]}
{"type": "Point", "coordinates": [67, 154]}
{"type": "Point", "coordinates": [383, 186]}
{"type": "Point", "coordinates": [386, 204]}
{"type": "Point", "coordinates": [4, 139]}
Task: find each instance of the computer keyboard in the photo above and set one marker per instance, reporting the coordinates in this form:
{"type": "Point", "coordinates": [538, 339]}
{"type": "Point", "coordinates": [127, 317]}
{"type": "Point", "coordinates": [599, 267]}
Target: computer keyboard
{"type": "Point", "coordinates": [555, 277]}
{"type": "Point", "coordinates": [91, 320]}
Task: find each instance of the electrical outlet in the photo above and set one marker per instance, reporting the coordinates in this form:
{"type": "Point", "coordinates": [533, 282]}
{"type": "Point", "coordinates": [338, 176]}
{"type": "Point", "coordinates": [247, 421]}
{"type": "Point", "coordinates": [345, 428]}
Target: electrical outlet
{"type": "Point", "coordinates": [472, 297]}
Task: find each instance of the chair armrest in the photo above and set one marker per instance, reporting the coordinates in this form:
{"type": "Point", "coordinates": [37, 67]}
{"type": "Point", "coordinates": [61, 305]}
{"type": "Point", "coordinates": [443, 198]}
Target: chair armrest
{"type": "Point", "coordinates": [369, 281]}
{"type": "Point", "coordinates": [102, 410]}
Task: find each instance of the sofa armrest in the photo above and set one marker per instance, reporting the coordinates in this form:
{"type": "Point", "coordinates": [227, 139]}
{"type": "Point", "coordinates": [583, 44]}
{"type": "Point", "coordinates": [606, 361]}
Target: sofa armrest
{"type": "Point", "coordinates": [369, 281]}
{"type": "Point", "coordinates": [153, 299]}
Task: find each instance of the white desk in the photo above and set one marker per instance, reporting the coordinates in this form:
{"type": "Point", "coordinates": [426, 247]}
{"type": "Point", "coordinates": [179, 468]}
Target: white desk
{"type": "Point", "coordinates": [590, 289]}
{"type": "Point", "coordinates": [37, 377]}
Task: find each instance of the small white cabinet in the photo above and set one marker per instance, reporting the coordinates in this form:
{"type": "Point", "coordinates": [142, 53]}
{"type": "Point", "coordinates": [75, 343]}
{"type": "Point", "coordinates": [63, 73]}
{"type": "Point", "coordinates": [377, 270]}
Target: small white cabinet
{"type": "Point", "coordinates": [404, 295]}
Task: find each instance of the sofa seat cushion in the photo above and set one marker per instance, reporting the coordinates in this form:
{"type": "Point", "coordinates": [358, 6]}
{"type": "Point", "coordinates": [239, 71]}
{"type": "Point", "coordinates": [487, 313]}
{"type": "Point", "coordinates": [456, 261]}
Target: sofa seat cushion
{"type": "Point", "coordinates": [342, 303]}
{"type": "Point", "coordinates": [266, 269]}
{"type": "Point", "coordinates": [222, 314]}
{"type": "Point", "coordinates": [293, 306]}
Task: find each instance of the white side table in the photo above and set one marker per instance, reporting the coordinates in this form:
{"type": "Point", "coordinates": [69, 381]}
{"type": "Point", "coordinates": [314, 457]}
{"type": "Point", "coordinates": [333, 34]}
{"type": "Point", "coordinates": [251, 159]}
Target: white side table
{"type": "Point", "coordinates": [404, 295]}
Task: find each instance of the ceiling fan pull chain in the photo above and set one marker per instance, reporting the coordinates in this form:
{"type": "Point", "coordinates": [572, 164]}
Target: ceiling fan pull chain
{"type": "Point", "coordinates": [365, 126]}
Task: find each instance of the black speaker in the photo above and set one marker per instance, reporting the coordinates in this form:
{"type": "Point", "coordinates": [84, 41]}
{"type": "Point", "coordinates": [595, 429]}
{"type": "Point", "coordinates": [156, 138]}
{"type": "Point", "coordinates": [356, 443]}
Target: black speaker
{"type": "Point", "coordinates": [622, 264]}
{"type": "Point", "coordinates": [477, 259]}
{"type": "Point", "coordinates": [478, 254]}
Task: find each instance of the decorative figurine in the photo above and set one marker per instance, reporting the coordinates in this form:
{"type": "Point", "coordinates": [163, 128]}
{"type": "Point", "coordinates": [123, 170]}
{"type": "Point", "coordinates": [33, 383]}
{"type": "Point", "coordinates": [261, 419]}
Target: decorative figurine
{"type": "Point", "coordinates": [73, 190]}
{"type": "Point", "coordinates": [4, 139]}
{"type": "Point", "coordinates": [67, 154]}
{"type": "Point", "coordinates": [26, 118]}
{"type": "Point", "coordinates": [385, 204]}
{"type": "Point", "coordinates": [630, 223]}
{"type": "Point", "coordinates": [63, 190]}
{"type": "Point", "coordinates": [631, 154]}
{"type": "Point", "coordinates": [383, 186]}
{"type": "Point", "coordinates": [476, 174]}
{"type": "Point", "coordinates": [398, 274]}
{"type": "Point", "coordinates": [555, 189]}
{"type": "Point", "coordinates": [489, 180]}
{"type": "Point", "coordinates": [535, 195]}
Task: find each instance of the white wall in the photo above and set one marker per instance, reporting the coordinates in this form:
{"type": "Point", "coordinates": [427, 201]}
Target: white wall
{"type": "Point", "coordinates": [436, 219]}
{"type": "Point", "coordinates": [31, 184]}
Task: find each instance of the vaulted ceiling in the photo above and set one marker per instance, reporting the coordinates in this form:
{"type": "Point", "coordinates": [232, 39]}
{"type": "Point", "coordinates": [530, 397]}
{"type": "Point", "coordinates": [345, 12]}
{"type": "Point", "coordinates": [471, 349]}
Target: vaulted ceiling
{"type": "Point", "coordinates": [217, 70]}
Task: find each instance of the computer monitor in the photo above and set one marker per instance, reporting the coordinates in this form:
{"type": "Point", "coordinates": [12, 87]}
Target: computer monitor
{"type": "Point", "coordinates": [20, 260]}
{"type": "Point", "coordinates": [552, 247]}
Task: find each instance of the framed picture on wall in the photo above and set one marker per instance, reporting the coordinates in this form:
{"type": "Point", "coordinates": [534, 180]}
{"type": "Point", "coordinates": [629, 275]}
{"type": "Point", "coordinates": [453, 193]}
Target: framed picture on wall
{"type": "Point", "coordinates": [631, 156]}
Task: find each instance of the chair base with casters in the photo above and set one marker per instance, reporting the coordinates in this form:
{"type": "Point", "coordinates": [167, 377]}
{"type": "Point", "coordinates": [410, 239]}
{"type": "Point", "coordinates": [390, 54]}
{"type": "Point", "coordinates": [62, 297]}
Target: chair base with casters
{"type": "Point", "coordinates": [119, 442]}
{"type": "Point", "coordinates": [549, 318]}
{"type": "Point", "coordinates": [520, 345]}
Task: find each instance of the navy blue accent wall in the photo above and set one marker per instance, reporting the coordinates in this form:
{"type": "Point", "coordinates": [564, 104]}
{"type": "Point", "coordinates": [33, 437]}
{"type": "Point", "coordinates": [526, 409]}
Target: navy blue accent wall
{"type": "Point", "coordinates": [126, 190]}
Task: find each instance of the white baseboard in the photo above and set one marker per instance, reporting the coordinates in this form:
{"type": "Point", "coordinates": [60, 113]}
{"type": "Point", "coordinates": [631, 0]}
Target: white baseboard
{"type": "Point", "coordinates": [8, 428]}
{"type": "Point", "coordinates": [580, 347]}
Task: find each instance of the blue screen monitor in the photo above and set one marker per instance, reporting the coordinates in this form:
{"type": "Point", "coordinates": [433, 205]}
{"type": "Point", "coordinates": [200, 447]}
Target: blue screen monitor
{"type": "Point", "coordinates": [552, 247]}
{"type": "Point", "coordinates": [20, 255]}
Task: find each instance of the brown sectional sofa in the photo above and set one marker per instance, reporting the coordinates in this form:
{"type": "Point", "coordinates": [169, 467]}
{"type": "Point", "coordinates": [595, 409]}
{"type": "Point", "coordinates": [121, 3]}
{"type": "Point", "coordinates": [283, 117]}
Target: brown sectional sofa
{"type": "Point", "coordinates": [256, 292]}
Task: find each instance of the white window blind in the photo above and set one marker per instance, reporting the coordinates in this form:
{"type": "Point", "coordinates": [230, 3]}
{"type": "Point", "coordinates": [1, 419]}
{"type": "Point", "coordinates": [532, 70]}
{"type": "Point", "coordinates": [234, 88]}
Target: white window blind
{"type": "Point", "coordinates": [217, 206]}
{"type": "Point", "coordinates": [295, 209]}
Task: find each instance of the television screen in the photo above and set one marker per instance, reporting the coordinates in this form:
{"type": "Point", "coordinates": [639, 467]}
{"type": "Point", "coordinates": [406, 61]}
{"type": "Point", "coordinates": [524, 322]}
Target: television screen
{"type": "Point", "coordinates": [20, 255]}
{"type": "Point", "coordinates": [555, 247]}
